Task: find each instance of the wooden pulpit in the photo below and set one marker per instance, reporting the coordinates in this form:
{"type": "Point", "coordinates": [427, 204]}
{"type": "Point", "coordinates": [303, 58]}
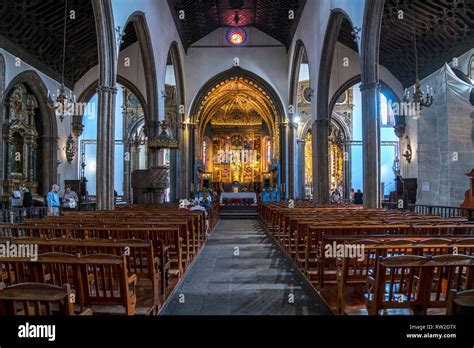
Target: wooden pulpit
{"type": "Point", "coordinates": [469, 195]}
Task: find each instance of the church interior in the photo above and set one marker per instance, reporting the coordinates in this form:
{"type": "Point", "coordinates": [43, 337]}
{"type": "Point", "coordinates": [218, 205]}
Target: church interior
{"type": "Point", "coordinates": [236, 157]}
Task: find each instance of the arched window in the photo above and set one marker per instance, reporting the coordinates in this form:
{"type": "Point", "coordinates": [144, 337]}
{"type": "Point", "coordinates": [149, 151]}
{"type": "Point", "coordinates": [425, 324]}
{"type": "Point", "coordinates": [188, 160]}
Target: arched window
{"type": "Point", "coordinates": [269, 150]}
{"type": "Point", "coordinates": [128, 108]}
{"type": "Point", "coordinates": [387, 115]}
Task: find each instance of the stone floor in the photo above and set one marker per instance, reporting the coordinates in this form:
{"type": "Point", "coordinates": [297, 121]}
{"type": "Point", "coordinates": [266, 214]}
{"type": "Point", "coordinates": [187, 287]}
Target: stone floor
{"type": "Point", "coordinates": [241, 271]}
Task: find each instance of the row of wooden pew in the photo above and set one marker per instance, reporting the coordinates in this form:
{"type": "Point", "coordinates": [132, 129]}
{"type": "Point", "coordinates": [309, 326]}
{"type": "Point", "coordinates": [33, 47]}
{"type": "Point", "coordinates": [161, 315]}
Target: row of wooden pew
{"type": "Point", "coordinates": [375, 258]}
{"type": "Point", "coordinates": [125, 261]}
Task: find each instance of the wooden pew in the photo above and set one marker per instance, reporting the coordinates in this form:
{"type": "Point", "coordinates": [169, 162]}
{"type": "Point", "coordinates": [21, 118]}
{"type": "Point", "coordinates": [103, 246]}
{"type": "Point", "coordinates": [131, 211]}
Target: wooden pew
{"type": "Point", "coordinates": [460, 302]}
{"type": "Point", "coordinates": [417, 283]}
{"type": "Point", "coordinates": [97, 280]}
{"type": "Point", "coordinates": [151, 271]}
{"type": "Point", "coordinates": [35, 299]}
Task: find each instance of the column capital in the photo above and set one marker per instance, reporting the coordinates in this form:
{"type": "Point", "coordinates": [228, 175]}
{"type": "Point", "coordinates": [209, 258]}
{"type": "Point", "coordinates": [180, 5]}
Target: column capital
{"type": "Point", "coordinates": [107, 89]}
{"type": "Point", "coordinates": [370, 86]}
{"type": "Point", "coordinates": [293, 125]}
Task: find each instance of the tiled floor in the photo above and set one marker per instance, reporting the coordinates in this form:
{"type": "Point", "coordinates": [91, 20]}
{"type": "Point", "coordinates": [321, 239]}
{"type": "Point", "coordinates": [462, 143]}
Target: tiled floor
{"type": "Point", "coordinates": [260, 280]}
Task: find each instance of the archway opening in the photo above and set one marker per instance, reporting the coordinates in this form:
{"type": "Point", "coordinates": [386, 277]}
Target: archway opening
{"type": "Point", "coordinates": [130, 140]}
{"type": "Point", "coordinates": [237, 138]}
{"type": "Point", "coordinates": [347, 111]}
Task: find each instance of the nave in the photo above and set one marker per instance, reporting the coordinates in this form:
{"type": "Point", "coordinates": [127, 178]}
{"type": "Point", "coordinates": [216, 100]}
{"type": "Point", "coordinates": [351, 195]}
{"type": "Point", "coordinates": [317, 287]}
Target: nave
{"type": "Point", "coordinates": [241, 271]}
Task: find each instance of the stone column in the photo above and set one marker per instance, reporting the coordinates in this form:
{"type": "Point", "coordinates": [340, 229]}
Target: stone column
{"type": "Point", "coordinates": [347, 170]}
{"type": "Point", "coordinates": [320, 134]}
{"type": "Point", "coordinates": [105, 147]}
{"type": "Point", "coordinates": [370, 89]}
{"type": "Point", "coordinates": [301, 145]}
{"type": "Point", "coordinates": [49, 168]}
{"type": "Point", "coordinates": [174, 163]}
{"type": "Point", "coordinates": [127, 170]}
{"type": "Point", "coordinates": [284, 159]}
{"type": "Point", "coordinates": [292, 169]}
{"type": "Point", "coordinates": [371, 144]}
{"type": "Point", "coordinates": [183, 170]}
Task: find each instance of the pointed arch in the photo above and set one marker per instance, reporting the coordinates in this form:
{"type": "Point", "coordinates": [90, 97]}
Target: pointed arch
{"type": "Point", "coordinates": [140, 25]}
{"type": "Point", "coordinates": [237, 72]}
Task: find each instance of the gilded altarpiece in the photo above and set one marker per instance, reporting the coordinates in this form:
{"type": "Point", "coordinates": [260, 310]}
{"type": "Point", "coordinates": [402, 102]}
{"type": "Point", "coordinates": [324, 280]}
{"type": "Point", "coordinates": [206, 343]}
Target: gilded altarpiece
{"type": "Point", "coordinates": [21, 138]}
{"type": "Point", "coordinates": [237, 157]}
{"type": "Point", "coordinates": [237, 147]}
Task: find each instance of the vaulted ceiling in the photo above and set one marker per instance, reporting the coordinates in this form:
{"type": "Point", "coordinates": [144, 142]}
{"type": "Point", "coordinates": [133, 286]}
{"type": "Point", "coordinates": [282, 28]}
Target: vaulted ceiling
{"type": "Point", "coordinates": [201, 17]}
{"type": "Point", "coordinates": [33, 31]}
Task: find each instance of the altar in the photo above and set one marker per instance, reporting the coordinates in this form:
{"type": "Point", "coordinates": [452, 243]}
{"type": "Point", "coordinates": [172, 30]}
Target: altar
{"type": "Point", "coordinates": [241, 196]}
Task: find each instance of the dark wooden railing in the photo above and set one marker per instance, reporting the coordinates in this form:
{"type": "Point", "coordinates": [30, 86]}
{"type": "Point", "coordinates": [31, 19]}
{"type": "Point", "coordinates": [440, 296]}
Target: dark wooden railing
{"type": "Point", "coordinates": [87, 206]}
{"type": "Point", "coordinates": [443, 211]}
{"type": "Point", "coordinates": [18, 215]}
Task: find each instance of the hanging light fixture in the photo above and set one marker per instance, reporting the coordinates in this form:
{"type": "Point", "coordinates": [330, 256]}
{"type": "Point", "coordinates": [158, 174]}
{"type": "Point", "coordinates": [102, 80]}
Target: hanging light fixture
{"type": "Point", "coordinates": [70, 148]}
{"type": "Point", "coordinates": [419, 98]}
{"type": "Point", "coordinates": [61, 105]}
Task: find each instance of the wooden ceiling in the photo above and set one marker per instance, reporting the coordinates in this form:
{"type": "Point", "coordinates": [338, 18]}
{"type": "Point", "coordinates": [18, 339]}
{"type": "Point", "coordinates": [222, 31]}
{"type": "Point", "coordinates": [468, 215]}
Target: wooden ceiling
{"type": "Point", "coordinates": [33, 31]}
{"type": "Point", "coordinates": [347, 35]}
{"type": "Point", "coordinates": [444, 30]}
{"type": "Point", "coordinates": [204, 16]}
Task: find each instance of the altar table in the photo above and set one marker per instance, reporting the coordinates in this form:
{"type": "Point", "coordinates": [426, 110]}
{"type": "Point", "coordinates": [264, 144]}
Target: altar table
{"type": "Point", "coordinates": [238, 195]}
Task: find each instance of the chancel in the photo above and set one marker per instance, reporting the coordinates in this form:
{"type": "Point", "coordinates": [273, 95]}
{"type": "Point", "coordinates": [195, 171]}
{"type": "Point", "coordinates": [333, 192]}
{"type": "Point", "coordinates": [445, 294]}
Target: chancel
{"type": "Point", "coordinates": [239, 151]}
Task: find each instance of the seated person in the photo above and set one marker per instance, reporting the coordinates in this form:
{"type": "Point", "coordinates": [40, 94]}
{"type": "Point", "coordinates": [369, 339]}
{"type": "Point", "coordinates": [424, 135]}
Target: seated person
{"type": "Point", "coordinates": [27, 199]}
{"type": "Point", "coordinates": [197, 207]}
{"type": "Point", "coordinates": [184, 205]}
{"type": "Point", "coordinates": [70, 198]}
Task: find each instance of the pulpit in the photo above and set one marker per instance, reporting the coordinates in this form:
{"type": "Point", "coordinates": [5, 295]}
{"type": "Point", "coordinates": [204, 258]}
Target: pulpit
{"type": "Point", "coordinates": [469, 195]}
{"type": "Point", "coordinates": [149, 186]}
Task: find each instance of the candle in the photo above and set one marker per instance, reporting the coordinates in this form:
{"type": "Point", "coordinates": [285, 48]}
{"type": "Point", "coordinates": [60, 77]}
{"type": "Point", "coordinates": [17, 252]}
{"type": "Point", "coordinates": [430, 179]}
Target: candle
{"type": "Point", "coordinates": [427, 89]}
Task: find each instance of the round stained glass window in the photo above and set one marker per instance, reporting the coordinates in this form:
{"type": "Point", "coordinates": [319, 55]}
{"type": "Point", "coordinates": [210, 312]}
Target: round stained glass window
{"type": "Point", "coordinates": [236, 36]}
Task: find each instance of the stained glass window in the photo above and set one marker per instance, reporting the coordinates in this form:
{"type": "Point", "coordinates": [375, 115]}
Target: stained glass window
{"type": "Point", "coordinates": [236, 36]}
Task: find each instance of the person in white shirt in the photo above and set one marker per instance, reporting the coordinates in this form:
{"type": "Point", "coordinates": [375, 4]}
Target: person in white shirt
{"type": "Point", "coordinates": [198, 207]}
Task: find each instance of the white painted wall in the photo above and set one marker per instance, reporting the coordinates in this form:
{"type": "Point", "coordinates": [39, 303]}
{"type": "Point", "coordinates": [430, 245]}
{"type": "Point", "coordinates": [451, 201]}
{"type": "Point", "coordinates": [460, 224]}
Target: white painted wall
{"type": "Point", "coordinates": [129, 55]}
{"type": "Point", "coordinates": [341, 73]}
{"type": "Point", "coordinates": [162, 32]}
{"type": "Point", "coordinates": [203, 63]}
{"type": "Point", "coordinates": [312, 29]}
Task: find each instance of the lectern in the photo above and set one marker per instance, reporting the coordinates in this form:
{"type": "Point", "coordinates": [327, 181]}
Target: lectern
{"type": "Point", "coordinates": [149, 186]}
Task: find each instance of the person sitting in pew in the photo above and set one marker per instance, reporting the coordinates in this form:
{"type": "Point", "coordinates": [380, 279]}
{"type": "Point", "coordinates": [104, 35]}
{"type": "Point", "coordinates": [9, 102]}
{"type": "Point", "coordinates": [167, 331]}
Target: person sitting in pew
{"type": "Point", "coordinates": [198, 207]}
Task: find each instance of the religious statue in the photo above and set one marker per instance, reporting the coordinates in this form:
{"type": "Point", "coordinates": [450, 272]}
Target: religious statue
{"type": "Point", "coordinates": [235, 187]}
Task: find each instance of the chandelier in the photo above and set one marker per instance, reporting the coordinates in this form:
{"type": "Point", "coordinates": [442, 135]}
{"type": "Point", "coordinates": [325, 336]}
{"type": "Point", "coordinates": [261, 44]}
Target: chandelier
{"type": "Point", "coordinates": [62, 102]}
{"type": "Point", "coordinates": [419, 97]}
{"type": "Point", "coordinates": [70, 148]}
